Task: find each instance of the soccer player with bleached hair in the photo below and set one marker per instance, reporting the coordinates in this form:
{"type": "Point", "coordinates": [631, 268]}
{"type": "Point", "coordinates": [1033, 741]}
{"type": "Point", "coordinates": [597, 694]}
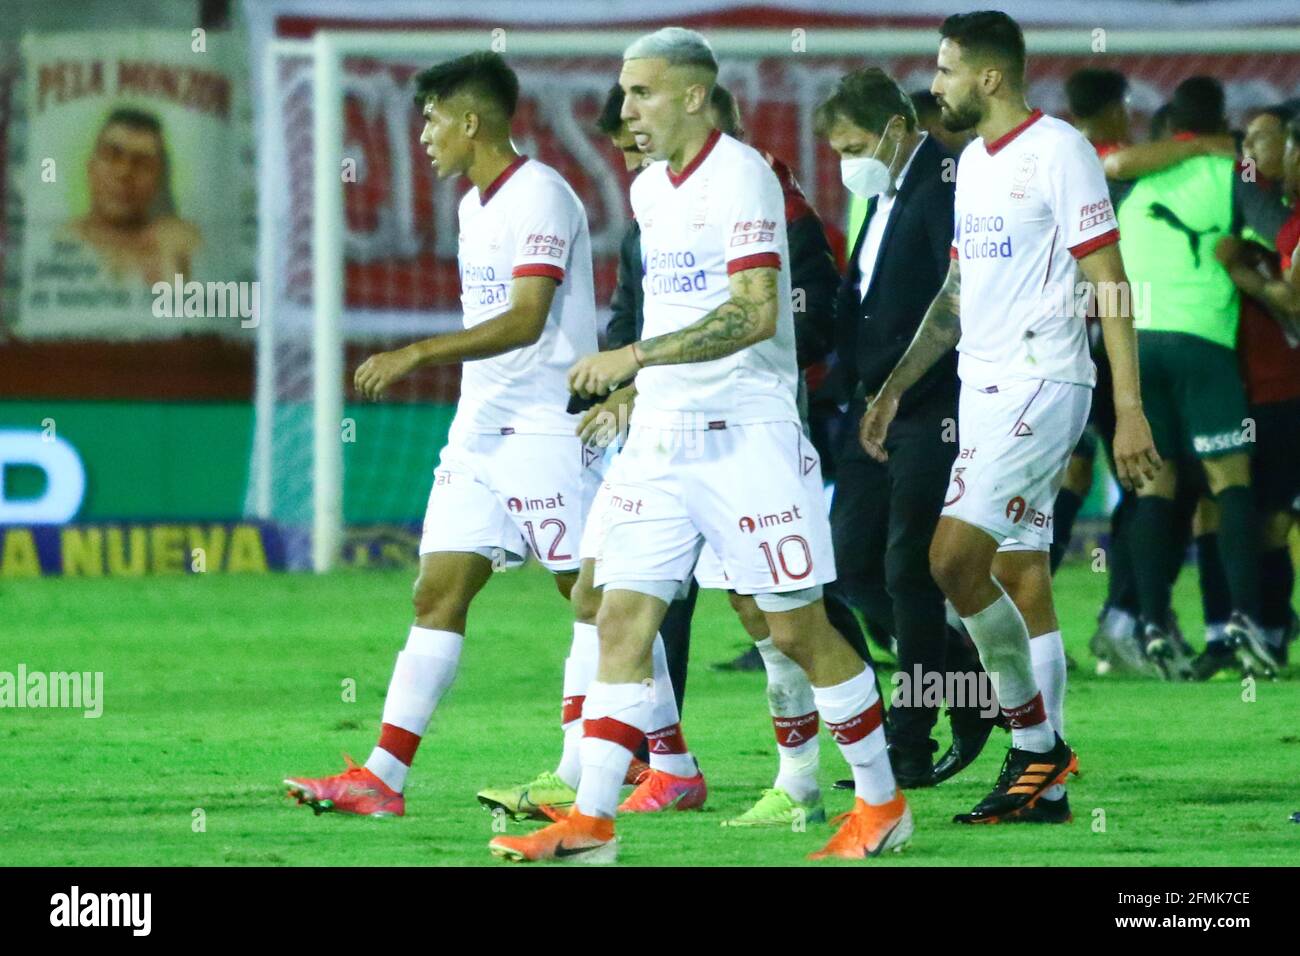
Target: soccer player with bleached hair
{"type": "Point", "coordinates": [715, 453]}
{"type": "Point", "coordinates": [513, 477]}
{"type": "Point", "coordinates": [1032, 215]}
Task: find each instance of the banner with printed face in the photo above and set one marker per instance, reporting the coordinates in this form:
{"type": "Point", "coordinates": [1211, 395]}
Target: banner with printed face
{"type": "Point", "coordinates": [134, 194]}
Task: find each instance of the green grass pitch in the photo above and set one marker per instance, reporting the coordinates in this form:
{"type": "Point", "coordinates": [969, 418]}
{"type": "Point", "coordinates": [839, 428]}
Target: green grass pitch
{"type": "Point", "coordinates": [216, 687]}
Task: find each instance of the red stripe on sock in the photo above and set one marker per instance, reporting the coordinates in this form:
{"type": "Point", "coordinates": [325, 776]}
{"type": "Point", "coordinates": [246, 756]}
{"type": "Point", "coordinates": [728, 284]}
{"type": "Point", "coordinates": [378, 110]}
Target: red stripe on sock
{"type": "Point", "coordinates": [668, 740]}
{"type": "Point", "coordinates": [615, 731]}
{"type": "Point", "coordinates": [795, 731]}
{"type": "Point", "coordinates": [1029, 714]}
{"type": "Point", "coordinates": [571, 709]}
{"type": "Point", "coordinates": [858, 726]}
{"type": "Point", "coordinates": [400, 743]}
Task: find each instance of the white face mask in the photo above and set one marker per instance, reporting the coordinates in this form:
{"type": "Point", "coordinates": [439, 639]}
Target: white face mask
{"type": "Point", "coordinates": [867, 176]}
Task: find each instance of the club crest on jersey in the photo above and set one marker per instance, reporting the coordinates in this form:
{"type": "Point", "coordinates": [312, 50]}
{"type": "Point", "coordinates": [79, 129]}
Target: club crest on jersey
{"type": "Point", "coordinates": [748, 524]}
{"type": "Point", "coordinates": [517, 505]}
{"type": "Point", "coordinates": [1024, 172]}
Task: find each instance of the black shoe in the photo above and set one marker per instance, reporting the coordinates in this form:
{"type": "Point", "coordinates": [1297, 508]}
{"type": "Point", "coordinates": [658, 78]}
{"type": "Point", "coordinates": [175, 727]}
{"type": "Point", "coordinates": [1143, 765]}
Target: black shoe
{"type": "Point", "coordinates": [1025, 775]}
{"type": "Point", "coordinates": [967, 743]}
{"type": "Point", "coordinates": [751, 660]}
{"type": "Point", "coordinates": [1044, 811]}
{"type": "Point", "coordinates": [843, 785]}
{"type": "Point", "coordinates": [1217, 656]}
{"type": "Point", "coordinates": [912, 767]}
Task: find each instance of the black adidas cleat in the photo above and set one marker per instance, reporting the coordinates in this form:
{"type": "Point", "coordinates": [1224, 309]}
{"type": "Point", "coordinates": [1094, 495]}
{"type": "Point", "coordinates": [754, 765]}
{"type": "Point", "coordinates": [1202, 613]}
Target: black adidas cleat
{"type": "Point", "coordinates": [1044, 811]}
{"type": "Point", "coordinates": [1024, 777]}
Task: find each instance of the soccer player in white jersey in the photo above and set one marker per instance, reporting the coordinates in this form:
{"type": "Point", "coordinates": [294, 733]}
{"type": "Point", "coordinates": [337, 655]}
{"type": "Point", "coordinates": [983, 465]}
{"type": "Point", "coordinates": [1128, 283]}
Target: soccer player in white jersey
{"type": "Point", "coordinates": [1032, 214]}
{"type": "Point", "coordinates": [513, 476]}
{"type": "Point", "coordinates": [715, 453]}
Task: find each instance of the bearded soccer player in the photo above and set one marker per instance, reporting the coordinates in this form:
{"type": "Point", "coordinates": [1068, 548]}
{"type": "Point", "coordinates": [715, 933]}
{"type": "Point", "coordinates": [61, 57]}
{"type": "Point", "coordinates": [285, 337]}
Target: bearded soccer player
{"type": "Point", "coordinates": [1032, 213]}
{"type": "Point", "coordinates": [715, 453]}
{"type": "Point", "coordinates": [512, 477]}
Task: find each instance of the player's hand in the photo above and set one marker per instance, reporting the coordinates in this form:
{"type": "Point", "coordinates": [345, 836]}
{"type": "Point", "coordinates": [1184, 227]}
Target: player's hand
{"type": "Point", "coordinates": [379, 371]}
{"type": "Point", "coordinates": [604, 422]}
{"type": "Point", "coordinates": [875, 424]}
{"type": "Point", "coordinates": [1136, 459]}
{"type": "Point", "coordinates": [602, 372]}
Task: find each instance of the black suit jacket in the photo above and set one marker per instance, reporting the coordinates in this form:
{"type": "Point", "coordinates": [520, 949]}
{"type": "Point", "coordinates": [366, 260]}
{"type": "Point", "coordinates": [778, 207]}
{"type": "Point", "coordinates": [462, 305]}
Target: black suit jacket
{"type": "Point", "coordinates": [873, 332]}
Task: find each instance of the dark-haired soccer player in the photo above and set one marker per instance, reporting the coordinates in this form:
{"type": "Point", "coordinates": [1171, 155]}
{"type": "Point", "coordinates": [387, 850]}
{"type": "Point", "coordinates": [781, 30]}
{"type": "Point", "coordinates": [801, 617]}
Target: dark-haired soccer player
{"type": "Point", "coordinates": [513, 476]}
{"type": "Point", "coordinates": [1032, 213]}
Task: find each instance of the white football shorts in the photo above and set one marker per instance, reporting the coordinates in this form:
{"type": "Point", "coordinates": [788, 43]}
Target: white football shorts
{"type": "Point", "coordinates": [752, 492]}
{"type": "Point", "coordinates": [1016, 440]}
{"type": "Point", "coordinates": [512, 494]}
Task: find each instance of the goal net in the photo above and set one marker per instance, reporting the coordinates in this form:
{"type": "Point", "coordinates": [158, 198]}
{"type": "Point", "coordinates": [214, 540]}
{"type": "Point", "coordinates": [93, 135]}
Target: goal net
{"type": "Point", "coordinates": [357, 237]}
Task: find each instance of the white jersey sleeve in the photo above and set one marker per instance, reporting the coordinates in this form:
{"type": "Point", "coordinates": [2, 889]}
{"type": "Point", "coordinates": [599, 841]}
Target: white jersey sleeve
{"type": "Point", "coordinates": [545, 233]}
{"type": "Point", "coordinates": [1080, 199]}
{"type": "Point", "coordinates": [753, 217]}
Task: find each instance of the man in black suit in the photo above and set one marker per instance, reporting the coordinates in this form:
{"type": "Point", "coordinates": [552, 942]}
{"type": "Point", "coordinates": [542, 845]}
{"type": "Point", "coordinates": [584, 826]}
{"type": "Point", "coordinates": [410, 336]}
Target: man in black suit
{"type": "Point", "coordinates": [884, 514]}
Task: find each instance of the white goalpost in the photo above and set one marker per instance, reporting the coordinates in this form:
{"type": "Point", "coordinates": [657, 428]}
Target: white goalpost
{"type": "Point", "coordinates": [309, 222]}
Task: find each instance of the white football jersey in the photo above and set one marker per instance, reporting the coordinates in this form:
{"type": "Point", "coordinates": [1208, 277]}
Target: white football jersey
{"type": "Point", "coordinates": [722, 214]}
{"type": "Point", "coordinates": [1028, 206]}
{"type": "Point", "coordinates": [529, 222]}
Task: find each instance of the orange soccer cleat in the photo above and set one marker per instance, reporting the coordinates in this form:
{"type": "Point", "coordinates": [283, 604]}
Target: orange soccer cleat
{"type": "Point", "coordinates": [355, 790]}
{"type": "Point", "coordinates": [869, 830]}
{"type": "Point", "coordinates": [574, 838]}
{"type": "Point", "coordinates": [662, 791]}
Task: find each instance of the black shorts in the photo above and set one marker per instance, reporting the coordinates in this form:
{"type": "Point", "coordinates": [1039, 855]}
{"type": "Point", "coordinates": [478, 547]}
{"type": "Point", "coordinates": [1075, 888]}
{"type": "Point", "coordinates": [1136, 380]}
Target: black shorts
{"type": "Point", "coordinates": [1275, 467]}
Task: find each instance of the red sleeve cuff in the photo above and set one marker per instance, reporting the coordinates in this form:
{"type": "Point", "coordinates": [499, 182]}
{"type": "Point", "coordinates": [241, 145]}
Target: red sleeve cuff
{"type": "Point", "coordinates": [952, 252]}
{"type": "Point", "coordinates": [538, 269]}
{"type": "Point", "coordinates": [760, 260]}
{"type": "Point", "coordinates": [1095, 243]}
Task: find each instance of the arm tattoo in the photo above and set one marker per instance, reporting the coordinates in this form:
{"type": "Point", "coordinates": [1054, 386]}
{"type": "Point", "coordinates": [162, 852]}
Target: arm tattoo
{"type": "Point", "coordinates": [736, 324]}
{"type": "Point", "coordinates": [938, 332]}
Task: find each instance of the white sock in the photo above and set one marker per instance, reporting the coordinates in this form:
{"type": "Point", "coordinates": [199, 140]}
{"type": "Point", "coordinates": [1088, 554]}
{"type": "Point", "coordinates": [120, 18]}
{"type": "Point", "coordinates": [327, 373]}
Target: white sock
{"type": "Point", "coordinates": [794, 717]}
{"type": "Point", "coordinates": [664, 741]}
{"type": "Point", "coordinates": [1002, 640]}
{"type": "Point", "coordinates": [1048, 655]}
{"type": "Point", "coordinates": [579, 672]}
{"type": "Point", "coordinates": [616, 717]}
{"type": "Point", "coordinates": [849, 709]}
{"type": "Point", "coordinates": [424, 671]}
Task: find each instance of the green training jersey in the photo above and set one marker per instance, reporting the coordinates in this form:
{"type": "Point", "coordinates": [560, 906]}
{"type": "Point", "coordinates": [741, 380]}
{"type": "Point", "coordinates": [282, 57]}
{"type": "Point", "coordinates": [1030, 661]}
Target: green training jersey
{"type": "Point", "coordinates": [1168, 226]}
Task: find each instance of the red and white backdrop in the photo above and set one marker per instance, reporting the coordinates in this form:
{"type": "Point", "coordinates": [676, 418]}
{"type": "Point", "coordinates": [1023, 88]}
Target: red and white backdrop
{"type": "Point", "coordinates": [400, 231]}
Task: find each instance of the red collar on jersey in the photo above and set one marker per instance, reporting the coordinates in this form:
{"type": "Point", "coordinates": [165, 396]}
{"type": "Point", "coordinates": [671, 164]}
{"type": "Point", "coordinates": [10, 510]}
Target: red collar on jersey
{"type": "Point", "coordinates": [500, 181]}
{"type": "Point", "coordinates": [678, 178]}
{"type": "Point", "coordinates": [1008, 136]}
